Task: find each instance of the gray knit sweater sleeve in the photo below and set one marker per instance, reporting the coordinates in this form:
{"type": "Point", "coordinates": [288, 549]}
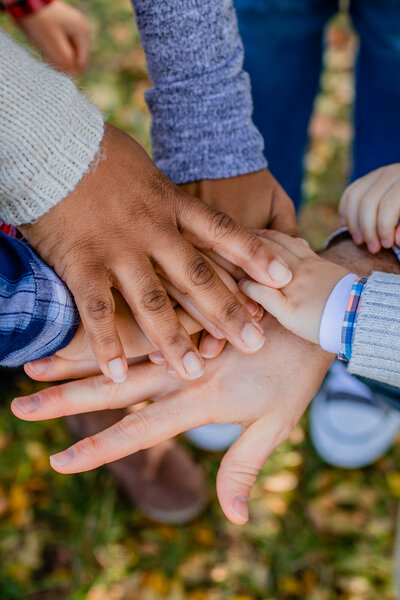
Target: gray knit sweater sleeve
{"type": "Point", "coordinates": [201, 100]}
{"type": "Point", "coordinates": [376, 342]}
{"type": "Point", "coordinates": [49, 135]}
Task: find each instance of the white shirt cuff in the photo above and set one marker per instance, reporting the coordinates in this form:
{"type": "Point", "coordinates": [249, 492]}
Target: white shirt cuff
{"type": "Point", "coordinates": [330, 330]}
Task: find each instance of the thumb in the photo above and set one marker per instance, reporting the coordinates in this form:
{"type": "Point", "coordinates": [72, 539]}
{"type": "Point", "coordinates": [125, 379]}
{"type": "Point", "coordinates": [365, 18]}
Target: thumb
{"type": "Point", "coordinates": [239, 469]}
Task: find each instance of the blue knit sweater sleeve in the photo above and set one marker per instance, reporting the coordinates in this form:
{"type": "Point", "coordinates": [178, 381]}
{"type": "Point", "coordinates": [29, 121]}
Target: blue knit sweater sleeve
{"type": "Point", "coordinates": [37, 313]}
{"type": "Point", "coordinates": [200, 100]}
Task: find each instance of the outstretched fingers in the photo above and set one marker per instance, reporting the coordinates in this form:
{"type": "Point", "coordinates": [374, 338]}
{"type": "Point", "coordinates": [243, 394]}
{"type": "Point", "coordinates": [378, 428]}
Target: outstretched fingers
{"type": "Point", "coordinates": [140, 430]}
{"type": "Point", "coordinates": [95, 393]}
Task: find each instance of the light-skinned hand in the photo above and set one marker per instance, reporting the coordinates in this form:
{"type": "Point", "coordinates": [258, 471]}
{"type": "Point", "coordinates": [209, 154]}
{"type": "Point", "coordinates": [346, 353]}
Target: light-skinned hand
{"type": "Point", "coordinates": [370, 208]}
{"type": "Point", "coordinates": [266, 393]}
{"type": "Point", "coordinates": [299, 305]}
{"type": "Point", "coordinates": [62, 34]}
{"type": "Point", "coordinates": [124, 226]}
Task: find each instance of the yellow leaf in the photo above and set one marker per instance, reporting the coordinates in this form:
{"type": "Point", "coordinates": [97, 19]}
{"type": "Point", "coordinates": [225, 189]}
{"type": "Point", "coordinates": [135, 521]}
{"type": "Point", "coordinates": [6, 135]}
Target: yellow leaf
{"type": "Point", "coordinates": [204, 535]}
{"type": "Point", "coordinates": [393, 480]}
{"type": "Point", "coordinates": [156, 581]}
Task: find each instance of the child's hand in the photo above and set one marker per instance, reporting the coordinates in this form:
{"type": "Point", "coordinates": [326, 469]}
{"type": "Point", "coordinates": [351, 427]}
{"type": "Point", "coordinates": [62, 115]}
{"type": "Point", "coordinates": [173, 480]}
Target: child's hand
{"type": "Point", "coordinates": [299, 305]}
{"type": "Point", "coordinates": [370, 207]}
{"type": "Point", "coordinates": [62, 34]}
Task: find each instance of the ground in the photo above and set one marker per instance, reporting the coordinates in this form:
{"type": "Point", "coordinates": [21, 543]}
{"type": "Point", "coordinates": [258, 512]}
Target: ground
{"type": "Point", "coordinates": [315, 532]}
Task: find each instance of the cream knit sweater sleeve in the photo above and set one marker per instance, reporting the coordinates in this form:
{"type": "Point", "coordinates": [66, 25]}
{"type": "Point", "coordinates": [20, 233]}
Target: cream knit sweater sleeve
{"type": "Point", "coordinates": [49, 135]}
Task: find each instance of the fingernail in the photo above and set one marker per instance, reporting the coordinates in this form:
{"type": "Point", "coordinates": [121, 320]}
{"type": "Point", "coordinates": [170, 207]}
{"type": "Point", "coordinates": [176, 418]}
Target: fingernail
{"type": "Point", "coordinates": [357, 238]}
{"type": "Point", "coordinates": [252, 307]}
{"type": "Point", "coordinates": [262, 232]}
{"type": "Point", "coordinates": [373, 247]}
{"type": "Point", "coordinates": [28, 403]}
{"type": "Point", "coordinates": [253, 336]}
{"type": "Point", "coordinates": [63, 458]}
{"type": "Point", "coordinates": [280, 272]}
{"type": "Point", "coordinates": [157, 357]}
{"type": "Point", "coordinates": [303, 241]}
{"type": "Point", "coordinates": [386, 243]}
{"type": "Point", "coordinates": [343, 220]}
{"type": "Point", "coordinates": [171, 371]}
{"type": "Point", "coordinates": [260, 313]}
{"type": "Point", "coordinates": [117, 370]}
{"type": "Point", "coordinates": [39, 366]}
{"type": "Point", "coordinates": [240, 506]}
{"type": "Point", "coordinates": [194, 366]}
{"type": "Point", "coordinates": [209, 347]}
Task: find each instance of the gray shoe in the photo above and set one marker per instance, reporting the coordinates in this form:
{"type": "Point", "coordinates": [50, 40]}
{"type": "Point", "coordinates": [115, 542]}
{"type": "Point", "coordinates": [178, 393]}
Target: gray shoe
{"type": "Point", "coordinates": [349, 426]}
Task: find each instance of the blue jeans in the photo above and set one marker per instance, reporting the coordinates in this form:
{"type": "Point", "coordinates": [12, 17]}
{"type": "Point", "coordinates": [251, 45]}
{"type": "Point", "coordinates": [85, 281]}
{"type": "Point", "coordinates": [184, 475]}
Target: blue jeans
{"type": "Point", "coordinates": [283, 42]}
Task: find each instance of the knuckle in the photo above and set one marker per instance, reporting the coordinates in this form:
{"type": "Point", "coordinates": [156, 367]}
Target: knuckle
{"type": "Point", "coordinates": [132, 427]}
{"type": "Point", "coordinates": [104, 339]}
{"type": "Point", "coordinates": [99, 308]}
{"type": "Point", "coordinates": [175, 338]}
{"type": "Point", "coordinates": [107, 389]}
{"type": "Point", "coordinates": [154, 299]}
{"type": "Point", "coordinates": [199, 272]}
{"type": "Point", "coordinates": [254, 248]}
{"type": "Point", "coordinates": [240, 472]}
{"type": "Point", "coordinates": [222, 225]}
{"type": "Point", "coordinates": [232, 310]}
{"type": "Point", "coordinates": [90, 446]}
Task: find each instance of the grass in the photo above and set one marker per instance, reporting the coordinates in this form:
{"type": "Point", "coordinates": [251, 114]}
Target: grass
{"type": "Point", "coordinates": [316, 533]}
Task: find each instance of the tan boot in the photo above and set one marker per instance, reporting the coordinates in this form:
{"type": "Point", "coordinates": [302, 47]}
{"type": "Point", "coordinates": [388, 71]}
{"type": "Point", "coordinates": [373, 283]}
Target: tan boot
{"type": "Point", "coordinates": [164, 482]}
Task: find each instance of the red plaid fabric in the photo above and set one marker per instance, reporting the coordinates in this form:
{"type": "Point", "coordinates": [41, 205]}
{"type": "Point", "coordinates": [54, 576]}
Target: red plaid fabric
{"type": "Point", "coordinates": [22, 8]}
{"type": "Point", "coordinates": [8, 229]}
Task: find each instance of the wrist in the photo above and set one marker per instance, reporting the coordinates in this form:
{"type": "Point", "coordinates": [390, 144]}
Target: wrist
{"type": "Point", "coordinates": [357, 259]}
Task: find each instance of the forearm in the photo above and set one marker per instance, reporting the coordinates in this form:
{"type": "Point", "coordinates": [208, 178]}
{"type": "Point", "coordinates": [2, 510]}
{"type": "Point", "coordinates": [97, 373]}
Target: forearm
{"type": "Point", "coordinates": [49, 135]}
{"type": "Point", "coordinates": [201, 100]}
{"type": "Point", "coordinates": [375, 348]}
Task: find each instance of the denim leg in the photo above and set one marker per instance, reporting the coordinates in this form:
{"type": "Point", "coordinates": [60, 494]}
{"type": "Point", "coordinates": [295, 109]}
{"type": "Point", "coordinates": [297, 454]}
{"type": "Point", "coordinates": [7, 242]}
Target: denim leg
{"type": "Point", "coordinates": [377, 105]}
{"type": "Point", "coordinates": [283, 41]}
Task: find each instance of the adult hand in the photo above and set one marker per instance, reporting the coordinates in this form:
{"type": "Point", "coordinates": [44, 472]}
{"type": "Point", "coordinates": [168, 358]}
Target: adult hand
{"type": "Point", "coordinates": [120, 228]}
{"type": "Point", "coordinates": [77, 359]}
{"type": "Point", "coordinates": [62, 34]}
{"type": "Point", "coordinates": [266, 393]}
{"type": "Point", "coordinates": [255, 200]}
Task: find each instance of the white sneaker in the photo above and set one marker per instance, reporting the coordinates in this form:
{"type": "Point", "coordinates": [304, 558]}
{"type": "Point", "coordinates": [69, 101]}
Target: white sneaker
{"type": "Point", "coordinates": [349, 426]}
{"type": "Point", "coordinates": [214, 438]}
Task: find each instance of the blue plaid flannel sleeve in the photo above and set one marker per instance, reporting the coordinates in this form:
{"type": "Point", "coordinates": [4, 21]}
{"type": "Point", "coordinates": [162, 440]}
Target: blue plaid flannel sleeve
{"type": "Point", "coordinates": [38, 315]}
{"type": "Point", "coordinates": [350, 317]}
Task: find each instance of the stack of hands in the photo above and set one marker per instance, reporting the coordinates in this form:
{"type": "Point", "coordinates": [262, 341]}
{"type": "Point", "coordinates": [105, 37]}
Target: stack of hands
{"type": "Point", "coordinates": [150, 299]}
{"type": "Point", "coordinates": [123, 291]}
{"type": "Point", "coordinates": [175, 280]}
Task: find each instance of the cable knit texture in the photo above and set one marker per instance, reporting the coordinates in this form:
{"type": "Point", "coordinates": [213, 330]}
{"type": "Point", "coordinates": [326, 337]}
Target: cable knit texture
{"type": "Point", "coordinates": [201, 101]}
{"type": "Point", "coordinates": [49, 135]}
{"type": "Point", "coordinates": [376, 342]}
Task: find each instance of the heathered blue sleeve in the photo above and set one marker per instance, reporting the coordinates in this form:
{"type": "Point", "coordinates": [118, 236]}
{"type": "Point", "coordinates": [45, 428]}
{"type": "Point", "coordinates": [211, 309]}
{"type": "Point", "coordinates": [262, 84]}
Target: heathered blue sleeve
{"type": "Point", "coordinates": [37, 313]}
{"type": "Point", "coordinates": [200, 100]}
